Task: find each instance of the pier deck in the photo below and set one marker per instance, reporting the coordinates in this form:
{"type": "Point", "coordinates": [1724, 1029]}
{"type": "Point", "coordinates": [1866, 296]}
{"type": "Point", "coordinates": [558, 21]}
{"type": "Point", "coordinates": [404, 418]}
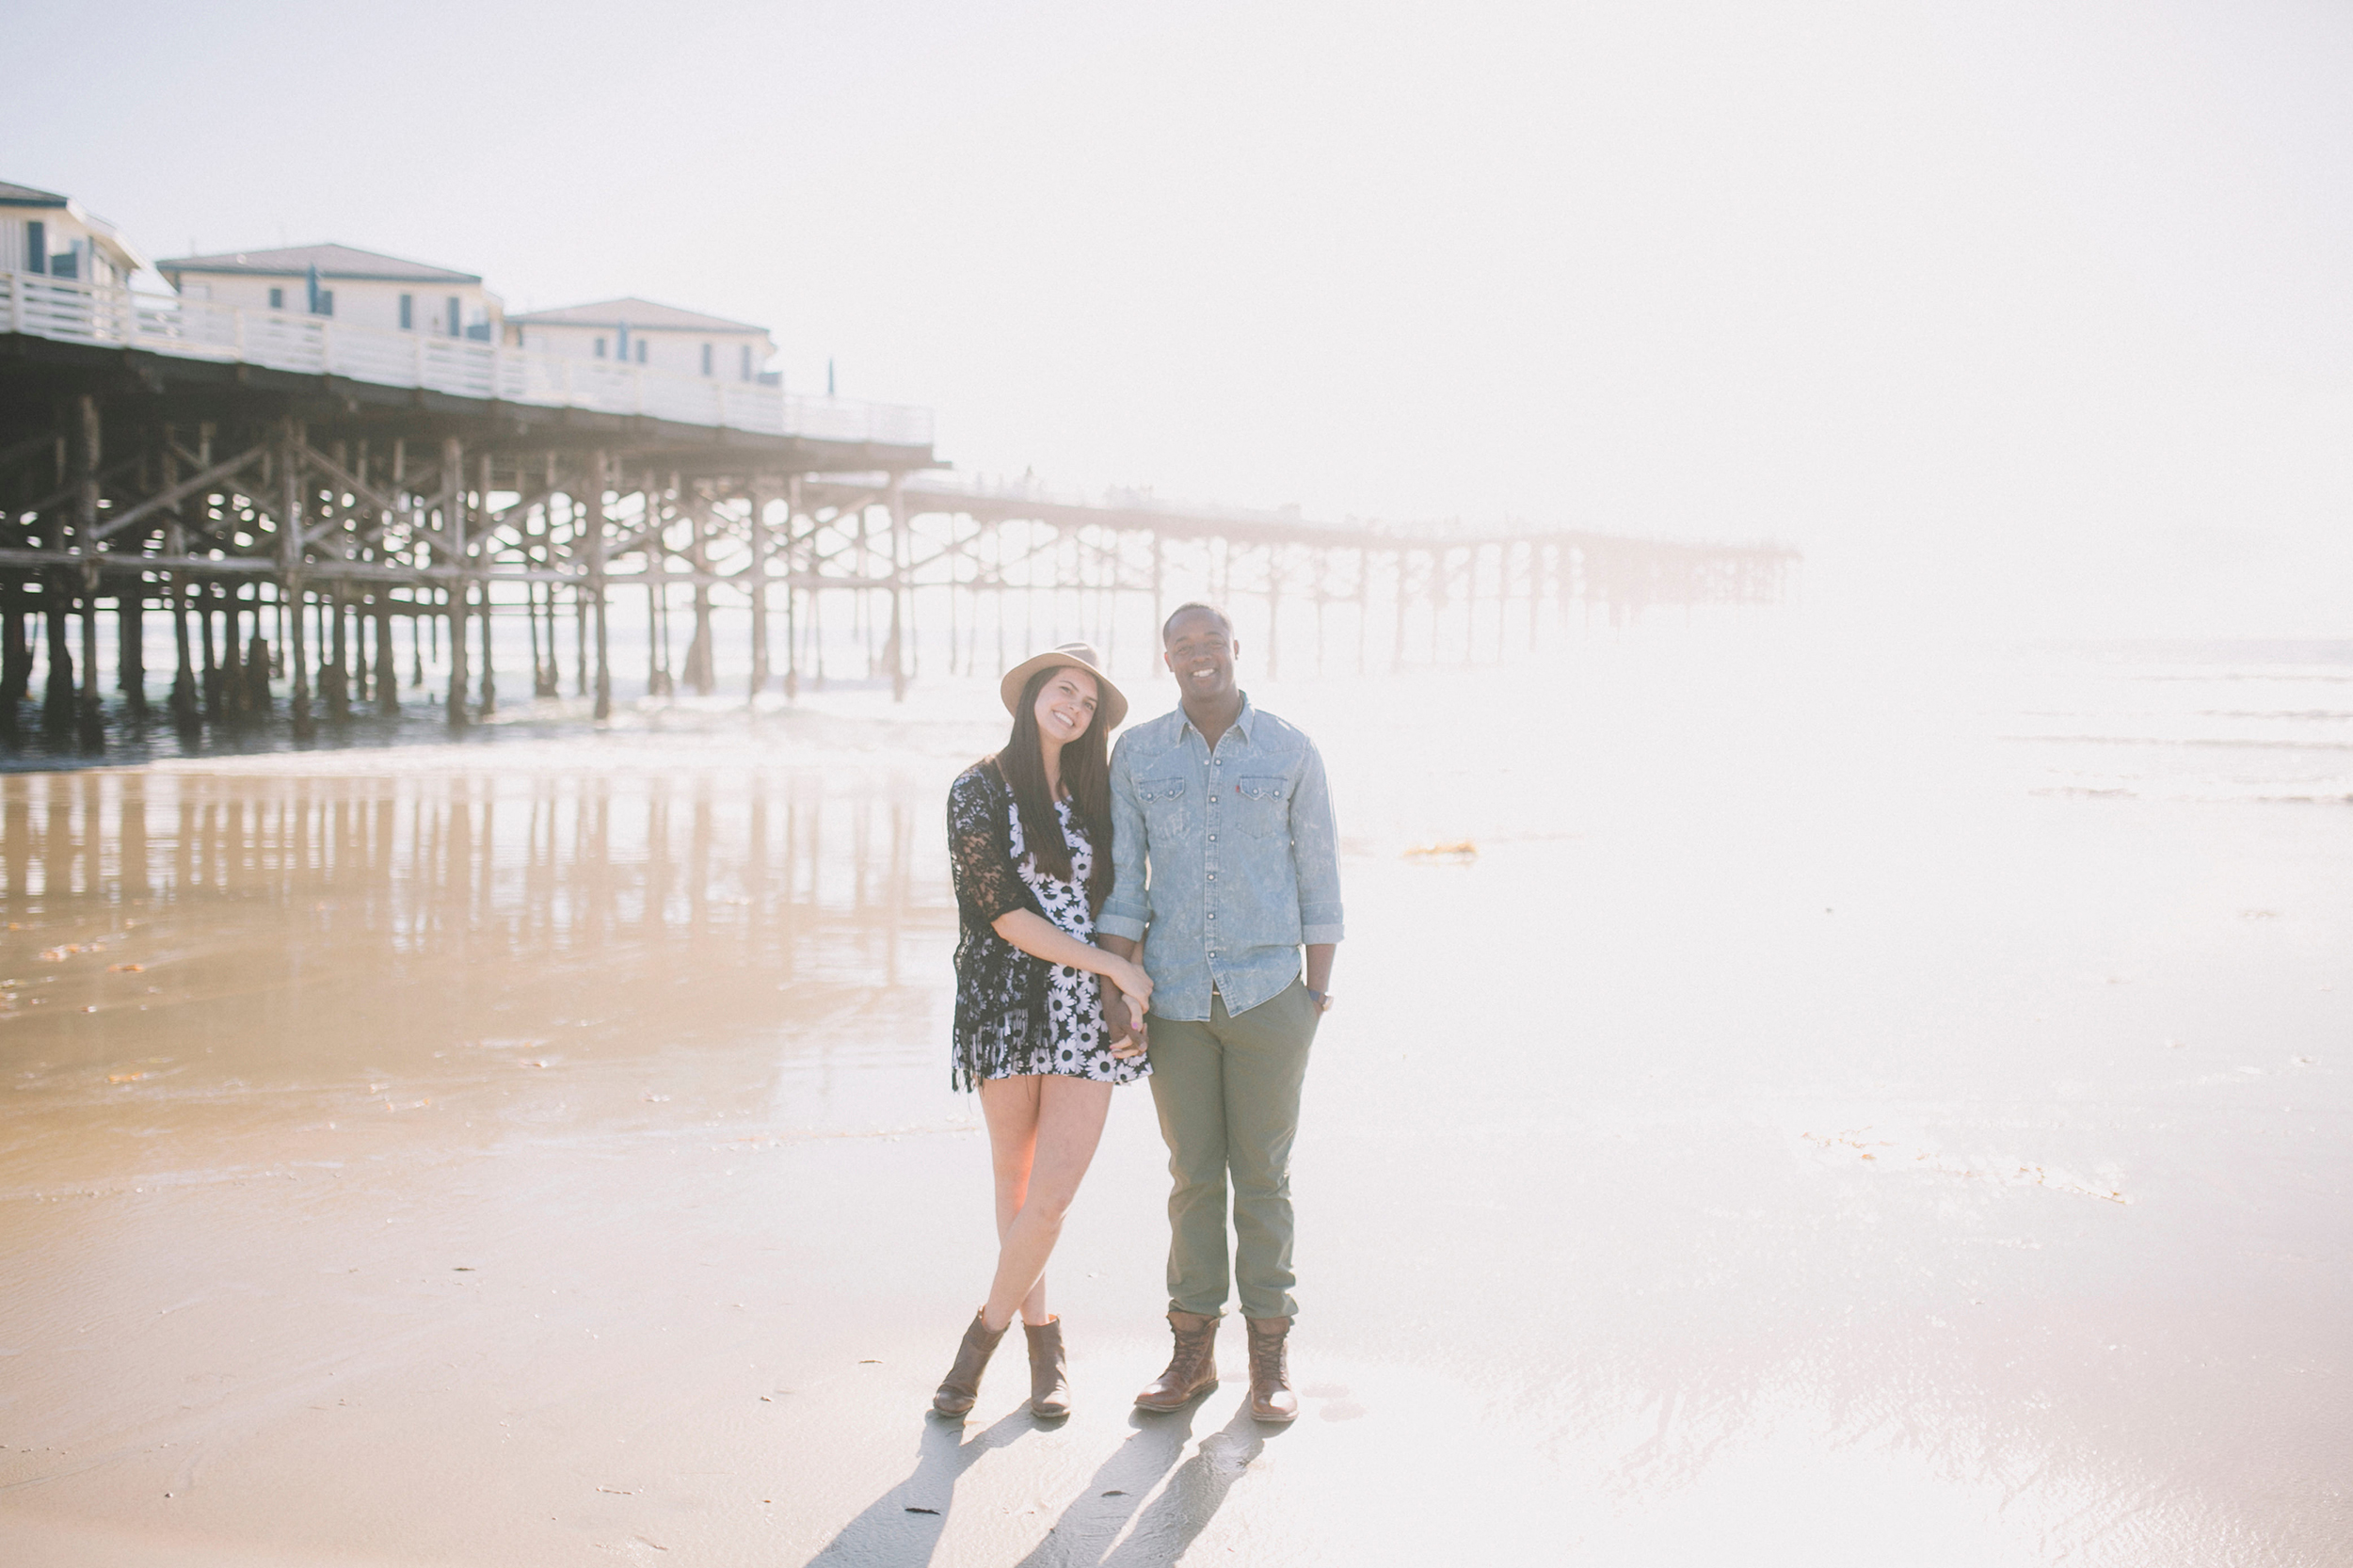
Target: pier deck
{"type": "Point", "coordinates": [287, 491]}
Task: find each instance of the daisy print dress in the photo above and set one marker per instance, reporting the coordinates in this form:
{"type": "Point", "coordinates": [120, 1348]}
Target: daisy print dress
{"type": "Point", "coordinates": [1016, 1014]}
{"type": "Point", "coordinates": [1075, 1041]}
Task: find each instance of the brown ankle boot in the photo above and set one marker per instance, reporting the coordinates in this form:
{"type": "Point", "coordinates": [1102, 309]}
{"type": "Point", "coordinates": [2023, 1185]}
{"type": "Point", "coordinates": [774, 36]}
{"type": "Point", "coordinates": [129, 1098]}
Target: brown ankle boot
{"type": "Point", "coordinates": [1191, 1370]}
{"type": "Point", "coordinates": [1050, 1374]}
{"type": "Point", "coordinates": [962, 1386]}
{"type": "Point", "coordinates": [1270, 1396]}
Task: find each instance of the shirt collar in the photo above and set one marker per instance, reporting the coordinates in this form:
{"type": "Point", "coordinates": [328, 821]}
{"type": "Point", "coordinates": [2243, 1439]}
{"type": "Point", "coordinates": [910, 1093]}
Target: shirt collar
{"type": "Point", "coordinates": [1241, 720]}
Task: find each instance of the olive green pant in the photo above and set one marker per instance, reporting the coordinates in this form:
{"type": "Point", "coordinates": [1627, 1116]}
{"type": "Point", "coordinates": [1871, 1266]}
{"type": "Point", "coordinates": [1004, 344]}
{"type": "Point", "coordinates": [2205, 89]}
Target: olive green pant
{"type": "Point", "coordinates": [1227, 1091]}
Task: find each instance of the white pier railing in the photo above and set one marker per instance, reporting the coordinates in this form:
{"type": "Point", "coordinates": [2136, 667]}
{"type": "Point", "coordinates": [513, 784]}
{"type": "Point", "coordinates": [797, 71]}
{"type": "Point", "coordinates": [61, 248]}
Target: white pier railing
{"type": "Point", "coordinates": [71, 312]}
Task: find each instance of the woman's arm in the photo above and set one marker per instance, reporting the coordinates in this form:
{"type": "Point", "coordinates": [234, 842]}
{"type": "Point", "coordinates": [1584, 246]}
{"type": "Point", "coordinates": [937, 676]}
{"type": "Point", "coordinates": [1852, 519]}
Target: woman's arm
{"type": "Point", "coordinates": [1040, 938]}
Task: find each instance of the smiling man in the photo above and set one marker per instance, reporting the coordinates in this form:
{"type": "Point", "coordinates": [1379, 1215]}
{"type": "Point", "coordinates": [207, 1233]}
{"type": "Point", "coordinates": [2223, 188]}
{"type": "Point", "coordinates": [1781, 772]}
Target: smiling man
{"type": "Point", "coordinates": [1227, 865]}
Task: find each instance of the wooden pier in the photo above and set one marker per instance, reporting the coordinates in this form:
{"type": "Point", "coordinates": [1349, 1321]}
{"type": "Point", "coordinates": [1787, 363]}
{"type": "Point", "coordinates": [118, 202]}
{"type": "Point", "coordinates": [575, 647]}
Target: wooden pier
{"type": "Point", "coordinates": [301, 500]}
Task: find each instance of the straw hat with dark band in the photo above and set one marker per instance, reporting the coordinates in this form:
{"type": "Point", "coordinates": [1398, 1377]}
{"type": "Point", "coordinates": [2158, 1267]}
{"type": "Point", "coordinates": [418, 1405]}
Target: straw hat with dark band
{"type": "Point", "coordinates": [1108, 700]}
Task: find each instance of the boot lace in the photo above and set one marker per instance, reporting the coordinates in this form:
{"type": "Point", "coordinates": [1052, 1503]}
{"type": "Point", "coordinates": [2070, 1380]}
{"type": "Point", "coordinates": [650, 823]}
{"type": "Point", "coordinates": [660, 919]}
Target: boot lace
{"type": "Point", "coordinates": [1191, 1349]}
{"type": "Point", "coordinates": [1269, 1357]}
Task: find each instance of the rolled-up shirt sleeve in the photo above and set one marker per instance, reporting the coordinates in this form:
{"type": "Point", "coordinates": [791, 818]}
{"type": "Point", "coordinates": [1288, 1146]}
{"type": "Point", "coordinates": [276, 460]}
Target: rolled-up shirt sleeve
{"type": "Point", "coordinates": [1316, 854]}
{"type": "Point", "coordinates": [1128, 910]}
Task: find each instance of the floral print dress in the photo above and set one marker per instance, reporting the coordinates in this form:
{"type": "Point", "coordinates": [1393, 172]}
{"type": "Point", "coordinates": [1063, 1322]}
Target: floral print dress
{"type": "Point", "coordinates": [1016, 1014]}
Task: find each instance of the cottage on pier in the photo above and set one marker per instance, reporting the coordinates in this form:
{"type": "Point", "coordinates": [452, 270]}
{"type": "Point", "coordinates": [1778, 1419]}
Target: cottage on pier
{"type": "Point", "coordinates": [362, 287]}
{"type": "Point", "coordinates": [659, 337]}
{"type": "Point", "coordinates": [50, 235]}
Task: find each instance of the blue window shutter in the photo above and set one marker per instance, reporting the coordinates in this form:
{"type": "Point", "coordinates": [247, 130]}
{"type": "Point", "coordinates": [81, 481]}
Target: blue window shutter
{"type": "Point", "coordinates": [641, 351]}
{"type": "Point", "coordinates": [456, 317]}
{"type": "Point", "coordinates": [407, 311]}
{"type": "Point", "coordinates": [599, 348]}
{"type": "Point", "coordinates": [277, 300]}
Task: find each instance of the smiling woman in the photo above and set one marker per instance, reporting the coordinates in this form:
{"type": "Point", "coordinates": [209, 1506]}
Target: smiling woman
{"type": "Point", "coordinates": [1030, 839]}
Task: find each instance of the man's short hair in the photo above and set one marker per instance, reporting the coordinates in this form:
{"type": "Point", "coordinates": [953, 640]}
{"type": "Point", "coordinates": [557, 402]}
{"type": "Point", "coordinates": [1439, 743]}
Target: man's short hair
{"type": "Point", "coordinates": [1193, 606]}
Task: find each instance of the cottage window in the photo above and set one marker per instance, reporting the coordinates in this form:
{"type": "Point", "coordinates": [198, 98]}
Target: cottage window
{"type": "Point", "coordinates": [599, 348]}
{"type": "Point", "coordinates": [277, 300]}
{"type": "Point", "coordinates": [641, 351]}
{"type": "Point", "coordinates": [37, 246]}
{"type": "Point", "coordinates": [327, 303]}
{"type": "Point", "coordinates": [744, 372]}
{"type": "Point", "coordinates": [408, 313]}
{"type": "Point", "coordinates": [706, 359]}
{"type": "Point", "coordinates": [456, 318]}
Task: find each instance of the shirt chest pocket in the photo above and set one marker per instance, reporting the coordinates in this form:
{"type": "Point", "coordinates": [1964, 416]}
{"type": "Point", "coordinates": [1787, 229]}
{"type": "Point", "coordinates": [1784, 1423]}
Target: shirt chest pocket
{"type": "Point", "coordinates": [1264, 805]}
{"type": "Point", "coordinates": [1163, 800]}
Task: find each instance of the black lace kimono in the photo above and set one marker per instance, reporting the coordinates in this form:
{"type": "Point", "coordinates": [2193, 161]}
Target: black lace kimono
{"type": "Point", "coordinates": [1016, 1013]}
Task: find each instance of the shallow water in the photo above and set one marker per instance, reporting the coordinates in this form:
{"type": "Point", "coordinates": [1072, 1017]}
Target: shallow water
{"type": "Point", "coordinates": [1849, 1110]}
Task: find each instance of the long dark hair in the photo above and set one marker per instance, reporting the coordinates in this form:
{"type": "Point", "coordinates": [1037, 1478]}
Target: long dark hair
{"type": "Point", "coordinates": [1086, 772]}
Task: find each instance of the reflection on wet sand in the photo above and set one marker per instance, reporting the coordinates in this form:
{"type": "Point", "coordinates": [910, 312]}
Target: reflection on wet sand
{"type": "Point", "coordinates": [304, 933]}
{"type": "Point", "coordinates": [535, 861]}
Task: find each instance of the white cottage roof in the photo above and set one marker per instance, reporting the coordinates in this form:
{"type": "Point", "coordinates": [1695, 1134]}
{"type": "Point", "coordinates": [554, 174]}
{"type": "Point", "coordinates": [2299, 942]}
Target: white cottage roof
{"type": "Point", "coordinates": [641, 316]}
{"type": "Point", "coordinates": [25, 196]}
{"type": "Point", "coordinates": [332, 261]}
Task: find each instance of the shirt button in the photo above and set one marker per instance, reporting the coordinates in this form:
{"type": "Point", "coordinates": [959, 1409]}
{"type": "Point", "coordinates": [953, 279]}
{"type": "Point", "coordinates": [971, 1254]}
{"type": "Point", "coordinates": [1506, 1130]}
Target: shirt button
{"type": "Point", "coordinates": [1221, 761]}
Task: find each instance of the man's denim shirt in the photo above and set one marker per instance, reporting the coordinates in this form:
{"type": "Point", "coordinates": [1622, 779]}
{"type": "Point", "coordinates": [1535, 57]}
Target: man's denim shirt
{"type": "Point", "coordinates": [1227, 862]}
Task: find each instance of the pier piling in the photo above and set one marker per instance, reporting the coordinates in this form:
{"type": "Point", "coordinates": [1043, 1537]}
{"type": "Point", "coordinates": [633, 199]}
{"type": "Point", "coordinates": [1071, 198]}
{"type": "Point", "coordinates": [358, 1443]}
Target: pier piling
{"type": "Point", "coordinates": [282, 517]}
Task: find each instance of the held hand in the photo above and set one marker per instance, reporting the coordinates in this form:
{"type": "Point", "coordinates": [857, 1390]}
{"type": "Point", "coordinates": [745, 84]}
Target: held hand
{"type": "Point", "coordinates": [1131, 1043]}
{"type": "Point", "coordinates": [1122, 1016]}
{"type": "Point", "coordinates": [1117, 1026]}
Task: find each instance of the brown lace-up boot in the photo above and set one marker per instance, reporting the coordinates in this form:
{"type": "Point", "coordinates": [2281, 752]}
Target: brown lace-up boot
{"type": "Point", "coordinates": [1270, 1396]}
{"type": "Point", "coordinates": [962, 1386]}
{"type": "Point", "coordinates": [1191, 1370]}
{"type": "Point", "coordinates": [1050, 1374]}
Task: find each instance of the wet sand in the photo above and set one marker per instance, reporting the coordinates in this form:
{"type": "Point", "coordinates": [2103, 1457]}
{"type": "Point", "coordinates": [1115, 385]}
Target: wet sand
{"type": "Point", "coordinates": [1803, 1134]}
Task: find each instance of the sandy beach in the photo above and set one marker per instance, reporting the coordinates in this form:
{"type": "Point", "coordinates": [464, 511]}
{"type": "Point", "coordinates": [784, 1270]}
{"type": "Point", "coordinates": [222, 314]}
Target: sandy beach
{"type": "Point", "coordinates": [1847, 1112]}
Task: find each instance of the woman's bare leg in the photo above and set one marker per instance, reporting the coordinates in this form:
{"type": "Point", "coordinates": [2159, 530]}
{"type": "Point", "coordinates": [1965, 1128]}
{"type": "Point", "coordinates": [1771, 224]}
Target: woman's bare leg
{"type": "Point", "coordinates": [1062, 1131]}
{"type": "Point", "coordinates": [1010, 1107]}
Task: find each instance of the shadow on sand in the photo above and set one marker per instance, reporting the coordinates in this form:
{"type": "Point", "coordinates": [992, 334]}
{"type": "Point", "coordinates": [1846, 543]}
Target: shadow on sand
{"type": "Point", "coordinates": [902, 1527]}
{"type": "Point", "coordinates": [1088, 1534]}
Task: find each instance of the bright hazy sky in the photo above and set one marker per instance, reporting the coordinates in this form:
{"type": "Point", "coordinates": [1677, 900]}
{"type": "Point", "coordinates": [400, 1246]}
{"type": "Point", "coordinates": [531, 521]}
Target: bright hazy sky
{"type": "Point", "coordinates": [2033, 315]}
